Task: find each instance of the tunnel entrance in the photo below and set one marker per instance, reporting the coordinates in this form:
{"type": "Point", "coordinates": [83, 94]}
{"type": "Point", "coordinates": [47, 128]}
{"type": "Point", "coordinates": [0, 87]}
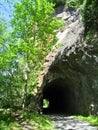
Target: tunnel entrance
{"type": "Point", "coordinates": [60, 97]}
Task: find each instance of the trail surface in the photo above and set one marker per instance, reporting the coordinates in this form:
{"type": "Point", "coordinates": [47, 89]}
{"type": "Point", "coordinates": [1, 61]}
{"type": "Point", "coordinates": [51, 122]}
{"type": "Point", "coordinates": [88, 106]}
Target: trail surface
{"type": "Point", "coordinates": [70, 123]}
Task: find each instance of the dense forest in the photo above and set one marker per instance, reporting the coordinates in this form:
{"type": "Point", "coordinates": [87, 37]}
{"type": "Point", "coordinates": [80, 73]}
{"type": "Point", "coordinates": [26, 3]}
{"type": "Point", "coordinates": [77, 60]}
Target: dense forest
{"type": "Point", "coordinates": [27, 39]}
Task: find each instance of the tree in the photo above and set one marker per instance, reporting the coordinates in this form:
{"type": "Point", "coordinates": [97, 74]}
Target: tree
{"type": "Point", "coordinates": [34, 27]}
{"type": "Point", "coordinates": [10, 72]}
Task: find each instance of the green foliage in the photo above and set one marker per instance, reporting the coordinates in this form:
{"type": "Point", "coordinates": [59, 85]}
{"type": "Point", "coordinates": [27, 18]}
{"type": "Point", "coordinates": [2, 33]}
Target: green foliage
{"type": "Point", "coordinates": [42, 122]}
{"type": "Point", "coordinates": [45, 103]}
{"type": "Point", "coordinates": [89, 11]}
{"type": "Point", "coordinates": [22, 51]}
{"type": "Point", "coordinates": [74, 3]}
{"type": "Point", "coordinates": [35, 26]}
{"type": "Point", "coordinates": [91, 15]}
{"type": "Point", "coordinates": [34, 22]}
{"type": "Point", "coordinates": [58, 2]}
{"type": "Point", "coordinates": [36, 121]}
{"type": "Point", "coordinates": [92, 119]}
{"type": "Point", "coordinates": [10, 73]}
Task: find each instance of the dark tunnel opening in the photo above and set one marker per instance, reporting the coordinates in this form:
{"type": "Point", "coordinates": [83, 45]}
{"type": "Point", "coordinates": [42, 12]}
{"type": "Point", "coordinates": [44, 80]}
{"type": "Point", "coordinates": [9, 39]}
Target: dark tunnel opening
{"type": "Point", "coordinates": [60, 96]}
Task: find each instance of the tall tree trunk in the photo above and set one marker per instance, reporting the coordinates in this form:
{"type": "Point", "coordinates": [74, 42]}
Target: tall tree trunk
{"type": "Point", "coordinates": [25, 93]}
{"type": "Point", "coordinates": [25, 85]}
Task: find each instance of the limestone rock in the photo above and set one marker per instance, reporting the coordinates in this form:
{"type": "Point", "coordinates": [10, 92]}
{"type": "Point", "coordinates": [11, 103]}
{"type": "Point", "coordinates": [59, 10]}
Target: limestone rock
{"type": "Point", "coordinates": [69, 79]}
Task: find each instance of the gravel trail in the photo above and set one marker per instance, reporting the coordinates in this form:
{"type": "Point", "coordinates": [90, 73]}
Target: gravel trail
{"type": "Point", "coordinates": [70, 123]}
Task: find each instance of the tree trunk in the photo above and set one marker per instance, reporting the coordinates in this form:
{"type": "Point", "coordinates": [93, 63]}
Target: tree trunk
{"type": "Point", "coordinates": [25, 94]}
{"type": "Point", "coordinates": [25, 85]}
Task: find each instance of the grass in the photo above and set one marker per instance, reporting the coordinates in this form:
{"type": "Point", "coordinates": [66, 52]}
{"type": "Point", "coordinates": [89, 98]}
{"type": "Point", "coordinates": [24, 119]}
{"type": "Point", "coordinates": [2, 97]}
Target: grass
{"type": "Point", "coordinates": [24, 120]}
{"type": "Point", "coordinates": [93, 120]}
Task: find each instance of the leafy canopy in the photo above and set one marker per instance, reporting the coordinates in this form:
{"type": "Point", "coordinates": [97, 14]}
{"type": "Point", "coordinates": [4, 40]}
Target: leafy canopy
{"type": "Point", "coordinates": [23, 51]}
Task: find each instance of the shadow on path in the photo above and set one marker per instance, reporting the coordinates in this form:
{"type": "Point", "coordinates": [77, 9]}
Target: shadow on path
{"type": "Point", "coordinates": [70, 123]}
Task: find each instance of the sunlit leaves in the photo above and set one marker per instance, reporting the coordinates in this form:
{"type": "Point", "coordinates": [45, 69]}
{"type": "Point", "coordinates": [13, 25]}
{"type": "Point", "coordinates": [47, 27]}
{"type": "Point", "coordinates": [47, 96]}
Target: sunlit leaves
{"type": "Point", "coordinates": [34, 24]}
{"type": "Point", "coordinates": [22, 53]}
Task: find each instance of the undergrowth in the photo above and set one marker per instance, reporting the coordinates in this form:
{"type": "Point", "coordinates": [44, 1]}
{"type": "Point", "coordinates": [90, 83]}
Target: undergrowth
{"type": "Point", "coordinates": [21, 119]}
{"type": "Point", "coordinates": [93, 120]}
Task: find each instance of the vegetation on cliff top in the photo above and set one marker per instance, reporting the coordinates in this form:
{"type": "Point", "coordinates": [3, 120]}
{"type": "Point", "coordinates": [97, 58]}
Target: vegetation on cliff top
{"type": "Point", "coordinates": [89, 10]}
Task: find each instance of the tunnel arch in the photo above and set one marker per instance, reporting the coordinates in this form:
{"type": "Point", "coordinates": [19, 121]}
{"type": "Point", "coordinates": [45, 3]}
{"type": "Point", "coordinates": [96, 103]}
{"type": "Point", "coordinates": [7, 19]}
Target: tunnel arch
{"type": "Point", "coordinates": [61, 97]}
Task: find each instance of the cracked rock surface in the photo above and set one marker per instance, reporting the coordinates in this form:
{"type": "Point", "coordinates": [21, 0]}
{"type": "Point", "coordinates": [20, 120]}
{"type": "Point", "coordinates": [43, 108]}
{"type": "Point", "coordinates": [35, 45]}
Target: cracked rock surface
{"type": "Point", "coordinates": [71, 69]}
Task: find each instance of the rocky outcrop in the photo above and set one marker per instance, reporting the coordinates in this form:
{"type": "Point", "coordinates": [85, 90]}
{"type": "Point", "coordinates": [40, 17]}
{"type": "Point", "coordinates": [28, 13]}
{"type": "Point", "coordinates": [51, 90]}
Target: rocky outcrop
{"type": "Point", "coordinates": [69, 79]}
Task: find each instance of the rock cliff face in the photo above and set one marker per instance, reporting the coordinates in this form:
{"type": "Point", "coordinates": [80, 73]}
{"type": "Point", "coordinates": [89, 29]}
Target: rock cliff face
{"type": "Point", "coordinates": [69, 79]}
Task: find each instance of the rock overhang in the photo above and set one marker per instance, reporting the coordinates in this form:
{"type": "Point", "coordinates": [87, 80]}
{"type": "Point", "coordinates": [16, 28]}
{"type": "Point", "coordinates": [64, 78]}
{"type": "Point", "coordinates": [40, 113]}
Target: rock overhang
{"type": "Point", "coordinates": [67, 78]}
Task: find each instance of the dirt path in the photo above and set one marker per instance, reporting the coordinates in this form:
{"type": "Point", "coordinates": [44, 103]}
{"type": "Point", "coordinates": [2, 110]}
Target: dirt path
{"type": "Point", "coordinates": [70, 123]}
{"type": "Point", "coordinates": [60, 122]}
